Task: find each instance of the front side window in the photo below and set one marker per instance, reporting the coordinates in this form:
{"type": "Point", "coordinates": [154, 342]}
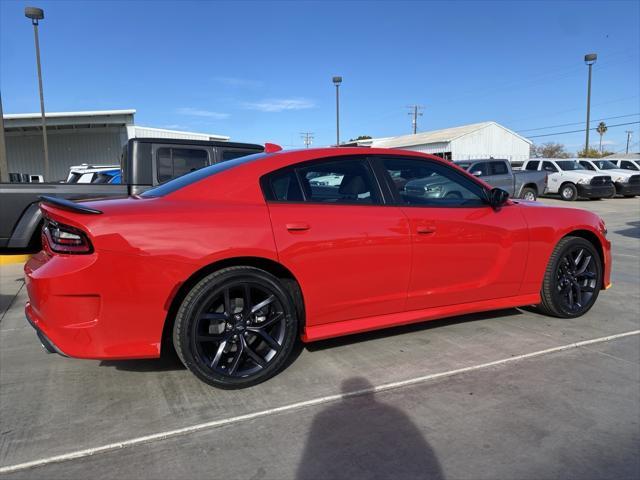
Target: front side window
{"type": "Point", "coordinates": [175, 162]}
{"type": "Point", "coordinates": [532, 165]}
{"type": "Point", "coordinates": [629, 165]}
{"type": "Point", "coordinates": [567, 165]}
{"type": "Point", "coordinates": [479, 169]}
{"type": "Point", "coordinates": [499, 168]}
{"type": "Point", "coordinates": [605, 164]}
{"type": "Point", "coordinates": [231, 153]}
{"type": "Point", "coordinates": [549, 167]}
{"type": "Point", "coordinates": [587, 165]}
{"type": "Point", "coordinates": [423, 182]}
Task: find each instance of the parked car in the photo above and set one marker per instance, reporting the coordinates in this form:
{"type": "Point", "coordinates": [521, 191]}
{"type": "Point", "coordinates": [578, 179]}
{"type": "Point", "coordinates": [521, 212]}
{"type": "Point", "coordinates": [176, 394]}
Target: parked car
{"type": "Point", "coordinates": [145, 163]}
{"type": "Point", "coordinates": [627, 164]}
{"type": "Point", "coordinates": [236, 262]}
{"type": "Point", "coordinates": [627, 183]}
{"type": "Point", "coordinates": [89, 173]}
{"type": "Point", "coordinates": [571, 180]}
{"type": "Point", "coordinates": [524, 184]}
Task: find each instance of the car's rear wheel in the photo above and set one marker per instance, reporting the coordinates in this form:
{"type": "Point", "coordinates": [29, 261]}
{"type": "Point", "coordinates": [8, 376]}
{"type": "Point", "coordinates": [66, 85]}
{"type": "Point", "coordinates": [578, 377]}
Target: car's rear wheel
{"type": "Point", "coordinates": [572, 280]}
{"type": "Point", "coordinates": [236, 327]}
{"type": "Point", "coordinates": [529, 194]}
{"type": "Point", "coordinates": [569, 192]}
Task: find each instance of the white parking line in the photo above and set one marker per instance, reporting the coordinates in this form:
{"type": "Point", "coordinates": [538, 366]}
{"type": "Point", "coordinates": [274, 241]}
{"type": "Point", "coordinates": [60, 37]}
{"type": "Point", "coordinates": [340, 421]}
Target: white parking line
{"type": "Point", "coordinates": [293, 406]}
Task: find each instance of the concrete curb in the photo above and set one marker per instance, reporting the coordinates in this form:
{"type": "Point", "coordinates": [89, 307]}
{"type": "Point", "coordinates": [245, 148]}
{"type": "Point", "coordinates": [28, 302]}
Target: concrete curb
{"type": "Point", "coordinates": [13, 259]}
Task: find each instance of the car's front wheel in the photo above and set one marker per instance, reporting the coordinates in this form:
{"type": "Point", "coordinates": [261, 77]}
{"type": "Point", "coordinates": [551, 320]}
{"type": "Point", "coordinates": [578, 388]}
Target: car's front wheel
{"type": "Point", "coordinates": [569, 192]}
{"type": "Point", "coordinates": [572, 280]}
{"type": "Point", "coordinates": [236, 327]}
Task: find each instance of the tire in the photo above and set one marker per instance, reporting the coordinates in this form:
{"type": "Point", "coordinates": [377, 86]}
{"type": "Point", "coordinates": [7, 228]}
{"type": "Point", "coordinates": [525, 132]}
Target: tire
{"type": "Point", "coordinates": [529, 194]}
{"type": "Point", "coordinates": [571, 276]}
{"type": "Point", "coordinates": [236, 327]}
{"type": "Point", "coordinates": [568, 192]}
{"type": "Point", "coordinates": [629, 196]}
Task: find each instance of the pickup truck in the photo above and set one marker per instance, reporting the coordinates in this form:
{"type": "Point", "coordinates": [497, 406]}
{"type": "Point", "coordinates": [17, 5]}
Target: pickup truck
{"type": "Point", "coordinates": [145, 163]}
{"type": "Point", "coordinates": [627, 183]}
{"type": "Point", "coordinates": [498, 173]}
{"type": "Point", "coordinates": [571, 180]}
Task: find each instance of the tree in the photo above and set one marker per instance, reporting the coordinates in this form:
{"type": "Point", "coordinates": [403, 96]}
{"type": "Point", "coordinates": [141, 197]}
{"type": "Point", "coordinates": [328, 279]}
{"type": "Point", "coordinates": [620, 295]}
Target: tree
{"type": "Point", "coordinates": [602, 129]}
{"type": "Point", "coordinates": [360, 137]}
{"type": "Point", "coordinates": [549, 150]}
{"type": "Point", "coordinates": [593, 153]}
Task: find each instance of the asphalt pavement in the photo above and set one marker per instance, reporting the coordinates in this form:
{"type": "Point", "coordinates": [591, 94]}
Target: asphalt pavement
{"type": "Point", "coordinates": [506, 394]}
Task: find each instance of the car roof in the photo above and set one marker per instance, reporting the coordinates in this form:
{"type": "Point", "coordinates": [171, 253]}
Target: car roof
{"type": "Point", "coordinates": [202, 143]}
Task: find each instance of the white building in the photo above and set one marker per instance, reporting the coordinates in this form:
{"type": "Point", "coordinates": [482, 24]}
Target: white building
{"type": "Point", "coordinates": [478, 140]}
{"type": "Point", "coordinates": [95, 137]}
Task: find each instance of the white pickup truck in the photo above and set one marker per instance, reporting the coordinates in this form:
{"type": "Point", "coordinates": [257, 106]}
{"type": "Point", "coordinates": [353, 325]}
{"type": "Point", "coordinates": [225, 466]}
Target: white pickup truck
{"type": "Point", "coordinates": [627, 182]}
{"type": "Point", "coordinates": [571, 180]}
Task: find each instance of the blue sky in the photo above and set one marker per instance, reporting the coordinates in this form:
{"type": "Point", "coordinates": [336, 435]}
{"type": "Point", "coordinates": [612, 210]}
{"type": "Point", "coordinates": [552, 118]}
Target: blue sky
{"type": "Point", "coordinates": [262, 71]}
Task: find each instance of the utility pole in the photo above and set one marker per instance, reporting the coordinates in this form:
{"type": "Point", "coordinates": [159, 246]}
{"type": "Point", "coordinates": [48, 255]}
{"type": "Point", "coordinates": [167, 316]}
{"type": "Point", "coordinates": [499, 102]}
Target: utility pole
{"type": "Point", "coordinates": [629, 132]}
{"type": "Point", "coordinates": [415, 112]}
{"type": "Point", "coordinates": [4, 163]}
{"type": "Point", "coordinates": [307, 138]}
{"type": "Point", "coordinates": [337, 80]}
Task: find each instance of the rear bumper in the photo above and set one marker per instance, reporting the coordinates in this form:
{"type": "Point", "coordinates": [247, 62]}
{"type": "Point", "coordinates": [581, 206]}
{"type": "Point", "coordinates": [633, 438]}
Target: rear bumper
{"type": "Point", "coordinates": [627, 188]}
{"type": "Point", "coordinates": [595, 191]}
{"type": "Point", "coordinates": [47, 344]}
{"type": "Point", "coordinates": [99, 306]}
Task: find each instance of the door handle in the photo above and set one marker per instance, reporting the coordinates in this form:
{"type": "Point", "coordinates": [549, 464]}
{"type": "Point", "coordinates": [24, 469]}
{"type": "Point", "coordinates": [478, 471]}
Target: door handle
{"type": "Point", "coordinates": [424, 230]}
{"type": "Point", "coordinates": [297, 226]}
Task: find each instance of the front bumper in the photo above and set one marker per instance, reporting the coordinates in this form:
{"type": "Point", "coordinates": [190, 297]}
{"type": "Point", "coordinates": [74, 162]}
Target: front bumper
{"type": "Point", "coordinates": [595, 191]}
{"type": "Point", "coordinates": [627, 188]}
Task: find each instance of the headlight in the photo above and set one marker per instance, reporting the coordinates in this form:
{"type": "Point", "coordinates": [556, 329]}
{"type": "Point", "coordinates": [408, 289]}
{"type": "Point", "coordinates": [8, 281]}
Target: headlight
{"type": "Point", "coordinates": [583, 180]}
{"type": "Point", "coordinates": [621, 180]}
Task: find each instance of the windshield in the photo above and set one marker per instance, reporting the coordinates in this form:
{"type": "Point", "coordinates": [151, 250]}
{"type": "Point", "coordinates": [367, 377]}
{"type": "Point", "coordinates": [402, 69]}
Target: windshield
{"type": "Point", "coordinates": [569, 165]}
{"type": "Point", "coordinates": [604, 164]}
{"type": "Point", "coordinates": [197, 175]}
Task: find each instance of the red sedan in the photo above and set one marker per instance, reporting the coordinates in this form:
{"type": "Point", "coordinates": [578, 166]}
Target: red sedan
{"type": "Point", "coordinates": [236, 262]}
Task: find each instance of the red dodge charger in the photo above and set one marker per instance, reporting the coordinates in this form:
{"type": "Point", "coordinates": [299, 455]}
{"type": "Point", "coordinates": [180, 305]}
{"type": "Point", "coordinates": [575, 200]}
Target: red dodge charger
{"type": "Point", "coordinates": [235, 263]}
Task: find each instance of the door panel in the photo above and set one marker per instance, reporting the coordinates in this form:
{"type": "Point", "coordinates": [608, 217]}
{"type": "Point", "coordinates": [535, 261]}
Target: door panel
{"type": "Point", "coordinates": [352, 261]}
{"type": "Point", "coordinates": [466, 255]}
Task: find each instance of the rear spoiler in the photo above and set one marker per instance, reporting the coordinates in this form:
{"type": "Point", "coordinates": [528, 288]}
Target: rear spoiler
{"type": "Point", "coordinates": [68, 205]}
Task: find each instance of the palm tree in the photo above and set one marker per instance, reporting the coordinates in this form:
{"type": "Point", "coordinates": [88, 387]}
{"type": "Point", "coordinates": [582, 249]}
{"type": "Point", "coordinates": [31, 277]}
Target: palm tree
{"type": "Point", "coordinates": [602, 129]}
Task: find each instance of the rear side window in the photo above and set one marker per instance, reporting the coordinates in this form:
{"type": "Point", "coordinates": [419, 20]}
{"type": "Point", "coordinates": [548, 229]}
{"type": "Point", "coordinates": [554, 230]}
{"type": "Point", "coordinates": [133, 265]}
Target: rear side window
{"type": "Point", "coordinates": [346, 181]}
{"type": "Point", "coordinates": [175, 162]}
{"type": "Point", "coordinates": [532, 165]}
{"type": "Point", "coordinates": [499, 168]}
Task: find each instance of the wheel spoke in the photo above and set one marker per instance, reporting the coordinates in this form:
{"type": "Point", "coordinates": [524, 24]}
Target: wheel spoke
{"type": "Point", "coordinates": [246, 299]}
{"type": "Point", "coordinates": [578, 257]}
{"type": "Point", "coordinates": [262, 304]}
{"type": "Point", "coordinates": [266, 337]}
{"type": "Point", "coordinates": [253, 355]}
{"type": "Point", "coordinates": [218, 355]}
{"type": "Point", "coordinates": [584, 265]}
{"type": "Point", "coordinates": [214, 316]}
{"type": "Point", "coordinates": [235, 362]}
{"type": "Point", "coordinates": [578, 301]}
{"type": "Point", "coordinates": [267, 323]}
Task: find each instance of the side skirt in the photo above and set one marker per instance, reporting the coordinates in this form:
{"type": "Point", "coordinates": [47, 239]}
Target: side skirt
{"type": "Point", "coordinates": [359, 325]}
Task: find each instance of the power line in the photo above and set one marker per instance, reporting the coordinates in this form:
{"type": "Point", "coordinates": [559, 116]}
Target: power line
{"type": "Point", "coordinates": [415, 112]}
{"type": "Point", "coordinates": [577, 123]}
{"type": "Point", "coordinates": [307, 138]}
{"type": "Point", "coordinates": [582, 130]}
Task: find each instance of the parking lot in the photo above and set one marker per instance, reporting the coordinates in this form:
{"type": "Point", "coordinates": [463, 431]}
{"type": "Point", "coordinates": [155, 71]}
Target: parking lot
{"type": "Point", "coordinates": [505, 394]}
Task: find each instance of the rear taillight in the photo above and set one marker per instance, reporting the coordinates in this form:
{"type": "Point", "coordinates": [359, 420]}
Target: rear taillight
{"type": "Point", "coordinates": [65, 239]}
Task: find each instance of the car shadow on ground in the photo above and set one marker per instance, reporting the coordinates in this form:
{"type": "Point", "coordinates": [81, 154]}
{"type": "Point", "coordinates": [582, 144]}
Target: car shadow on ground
{"type": "Point", "coordinates": [362, 437]}
{"type": "Point", "coordinates": [633, 232]}
{"type": "Point", "coordinates": [404, 329]}
{"type": "Point", "coordinates": [169, 360]}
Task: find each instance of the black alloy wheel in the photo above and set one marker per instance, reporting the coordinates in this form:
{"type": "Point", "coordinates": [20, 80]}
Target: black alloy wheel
{"type": "Point", "coordinates": [573, 278]}
{"type": "Point", "coordinates": [236, 327]}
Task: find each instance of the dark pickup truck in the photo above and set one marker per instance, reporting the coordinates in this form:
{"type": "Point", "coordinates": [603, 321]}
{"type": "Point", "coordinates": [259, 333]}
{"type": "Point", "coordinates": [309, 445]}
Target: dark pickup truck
{"type": "Point", "coordinates": [145, 163]}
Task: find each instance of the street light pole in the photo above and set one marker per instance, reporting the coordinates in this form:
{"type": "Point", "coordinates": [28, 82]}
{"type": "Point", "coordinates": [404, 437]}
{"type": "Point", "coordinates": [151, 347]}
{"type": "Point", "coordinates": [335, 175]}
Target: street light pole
{"type": "Point", "coordinates": [4, 163]}
{"type": "Point", "coordinates": [589, 59]}
{"type": "Point", "coordinates": [36, 14]}
{"type": "Point", "coordinates": [337, 81]}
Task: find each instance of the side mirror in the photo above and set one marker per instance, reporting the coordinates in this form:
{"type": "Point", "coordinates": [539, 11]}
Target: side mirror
{"type": "Point", "coordinates": [477, 173]}
{"type": "Point", "coordinates": [497, 198]}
